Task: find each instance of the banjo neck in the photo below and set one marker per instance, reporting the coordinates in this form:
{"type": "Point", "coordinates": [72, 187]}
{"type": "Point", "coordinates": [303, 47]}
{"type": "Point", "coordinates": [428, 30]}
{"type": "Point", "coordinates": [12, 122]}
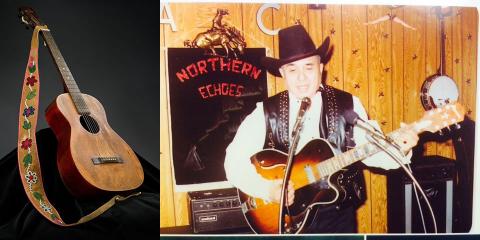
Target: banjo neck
{"type": "Point", "coordinates": [441, 16]}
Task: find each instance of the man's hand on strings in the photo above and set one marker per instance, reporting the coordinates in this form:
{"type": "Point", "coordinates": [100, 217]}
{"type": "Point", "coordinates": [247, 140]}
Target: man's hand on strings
{"type": "Point", "coordinates": [276, 191]}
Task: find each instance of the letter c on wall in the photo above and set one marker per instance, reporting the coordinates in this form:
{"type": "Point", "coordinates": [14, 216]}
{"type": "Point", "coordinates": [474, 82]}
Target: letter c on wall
{"type": "Point", "coordinates": [259, 18]}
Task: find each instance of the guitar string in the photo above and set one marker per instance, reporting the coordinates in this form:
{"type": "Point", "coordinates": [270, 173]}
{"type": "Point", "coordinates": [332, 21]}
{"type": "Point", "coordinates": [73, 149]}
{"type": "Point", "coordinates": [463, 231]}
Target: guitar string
{"type": "Point", "coordinates": [89, 120]}
{"type": "Point", "coordinates": [92, 125]}
{"type": "Point", "coordinates": [92, 121]}
{"type": "Point", "coordinates": [64, 68]}
{"type": "Point", "coordinates": [78, 99]}
{"type": "Point", "coordinates": [81, 107]}
{"type": "Point", "coordinates": [101, 145]}
{"type": "Point", "coordinates": [86, 118]}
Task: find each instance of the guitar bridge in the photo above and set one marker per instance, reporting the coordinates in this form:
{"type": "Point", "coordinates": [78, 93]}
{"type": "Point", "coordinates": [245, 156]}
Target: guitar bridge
{"type": "Point", "coordinates": [102, 160]}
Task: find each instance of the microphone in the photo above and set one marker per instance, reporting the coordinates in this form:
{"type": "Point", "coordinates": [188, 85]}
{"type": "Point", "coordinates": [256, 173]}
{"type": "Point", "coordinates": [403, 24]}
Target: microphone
{"type": "Point", "coordinates": [352, 118]}
{"type": "Point", "coordinates": [304, 107]}
{"type": "Point", "coordinates": [301, 112]}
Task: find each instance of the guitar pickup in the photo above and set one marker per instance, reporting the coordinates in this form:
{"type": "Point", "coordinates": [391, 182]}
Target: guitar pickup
{"type": "Point", "coordinates": [102, 160]}
{"type": "Point", "coordinates": [323, 183]}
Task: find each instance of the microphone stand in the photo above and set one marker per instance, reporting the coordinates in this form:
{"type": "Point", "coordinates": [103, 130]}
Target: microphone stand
{"type": "Point", "coordinates": [288, 168]}
{"type": "Point", "coordinates": [372, 138]}
{"type": "Point", "coordinates": [375, 136]}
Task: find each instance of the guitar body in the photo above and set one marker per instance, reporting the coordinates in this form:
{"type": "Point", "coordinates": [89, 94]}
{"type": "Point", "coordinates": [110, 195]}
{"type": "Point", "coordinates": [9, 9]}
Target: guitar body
{"type": "Point", "coordinates": [91, 157]}
{"type": "Point", "coordinates": [262, 216]}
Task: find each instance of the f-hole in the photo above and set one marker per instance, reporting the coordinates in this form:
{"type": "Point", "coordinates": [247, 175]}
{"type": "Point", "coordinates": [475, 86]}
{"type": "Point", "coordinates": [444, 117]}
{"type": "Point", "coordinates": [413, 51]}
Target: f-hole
{"type": "Point", "coordinates": [89, 124]}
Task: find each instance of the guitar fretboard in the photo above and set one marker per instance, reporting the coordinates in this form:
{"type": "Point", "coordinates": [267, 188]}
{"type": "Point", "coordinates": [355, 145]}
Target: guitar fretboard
{"type": "Point", "coordinates": [68, 80]}
{"type": "Point", "coordinates": [351, 156]}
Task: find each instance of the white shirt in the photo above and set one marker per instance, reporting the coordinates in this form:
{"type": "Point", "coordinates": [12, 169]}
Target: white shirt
{"type": "Point", "coordinates": [250, 138]}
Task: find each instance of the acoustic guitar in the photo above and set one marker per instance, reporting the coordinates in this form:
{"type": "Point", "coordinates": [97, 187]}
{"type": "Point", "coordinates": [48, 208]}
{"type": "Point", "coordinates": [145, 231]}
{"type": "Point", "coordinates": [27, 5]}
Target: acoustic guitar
{"type": "Point", "coordinates": [318, 174]}
{"type": "Point", "coordinates": [91, 157]}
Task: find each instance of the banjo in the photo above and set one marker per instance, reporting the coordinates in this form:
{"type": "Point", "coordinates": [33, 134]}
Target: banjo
{"type": "Point", "coordinates": [439, 90]}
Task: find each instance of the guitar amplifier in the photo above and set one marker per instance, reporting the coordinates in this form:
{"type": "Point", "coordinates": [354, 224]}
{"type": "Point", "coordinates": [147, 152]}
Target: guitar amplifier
{"type": "Point", "coordinates": [216, 211]}
{"type": "Point", "coordinates": [436, 175]}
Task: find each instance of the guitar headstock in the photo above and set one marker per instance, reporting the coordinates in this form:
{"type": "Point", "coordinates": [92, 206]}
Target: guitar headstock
{"type": "Point", "coordinates": [439, 118]}
{"type": "Point", "coordinates": [28, 16]}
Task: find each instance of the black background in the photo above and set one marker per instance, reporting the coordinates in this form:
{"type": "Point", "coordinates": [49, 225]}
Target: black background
{"type": "Point", "coordinates": [209, 123]}
{"type": "Point", "coordinates": [111, 48]}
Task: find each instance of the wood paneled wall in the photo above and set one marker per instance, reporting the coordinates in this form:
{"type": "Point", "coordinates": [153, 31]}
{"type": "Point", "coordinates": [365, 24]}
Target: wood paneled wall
{"type": "Point", "coordinates": [383, 64]}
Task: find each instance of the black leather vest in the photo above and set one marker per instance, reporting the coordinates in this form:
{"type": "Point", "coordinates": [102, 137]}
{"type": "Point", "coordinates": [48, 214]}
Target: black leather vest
{"type": "Point", "coordinates": [333, 126]}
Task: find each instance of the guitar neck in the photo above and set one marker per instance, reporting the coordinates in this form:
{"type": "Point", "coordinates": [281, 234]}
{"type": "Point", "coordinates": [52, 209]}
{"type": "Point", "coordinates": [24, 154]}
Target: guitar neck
{"type": "Point", "coordinates": [431, 121]}
{"type": "Point", "coordinates": [340, 161]}
{"type": "Point", "coordinates": [69, 82]}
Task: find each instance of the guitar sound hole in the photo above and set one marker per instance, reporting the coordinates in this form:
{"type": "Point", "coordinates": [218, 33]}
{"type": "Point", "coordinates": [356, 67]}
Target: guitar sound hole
{"type": "Point", "coordinates": [89, 124]}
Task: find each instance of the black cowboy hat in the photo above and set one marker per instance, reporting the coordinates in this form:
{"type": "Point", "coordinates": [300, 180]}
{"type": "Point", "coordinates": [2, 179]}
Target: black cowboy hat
{"type": "Point", "coordinates": [294, 44]}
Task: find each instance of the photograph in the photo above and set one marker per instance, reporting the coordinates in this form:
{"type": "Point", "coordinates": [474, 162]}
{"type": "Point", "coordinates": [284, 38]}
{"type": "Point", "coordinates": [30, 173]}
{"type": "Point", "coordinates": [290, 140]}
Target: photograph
{"type": "Point", "coordinates": [317, 119]}
{"type": "Point", "coordinates": [80, 154]}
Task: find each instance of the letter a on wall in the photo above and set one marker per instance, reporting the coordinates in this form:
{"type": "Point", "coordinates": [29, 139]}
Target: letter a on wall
{"type": "Point", "coordinates": [169, 19]}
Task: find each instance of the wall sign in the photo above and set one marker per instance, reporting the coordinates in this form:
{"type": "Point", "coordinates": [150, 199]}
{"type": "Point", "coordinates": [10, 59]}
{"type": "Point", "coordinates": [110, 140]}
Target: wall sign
{"type": "Point", "coordinates": [209, 97]}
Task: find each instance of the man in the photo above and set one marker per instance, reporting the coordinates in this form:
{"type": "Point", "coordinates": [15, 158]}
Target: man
{"type": "Point", "coordinates": [270, 126]}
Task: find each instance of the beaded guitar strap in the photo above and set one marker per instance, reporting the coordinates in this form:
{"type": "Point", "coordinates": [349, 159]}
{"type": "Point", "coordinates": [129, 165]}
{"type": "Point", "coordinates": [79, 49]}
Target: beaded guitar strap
{"type": "Point", "coordinates": [28, 161]}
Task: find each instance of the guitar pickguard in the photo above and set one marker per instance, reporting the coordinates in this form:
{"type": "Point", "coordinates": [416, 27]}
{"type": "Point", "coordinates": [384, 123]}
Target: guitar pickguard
{"type": "Point", "coordinates": [320, 192]}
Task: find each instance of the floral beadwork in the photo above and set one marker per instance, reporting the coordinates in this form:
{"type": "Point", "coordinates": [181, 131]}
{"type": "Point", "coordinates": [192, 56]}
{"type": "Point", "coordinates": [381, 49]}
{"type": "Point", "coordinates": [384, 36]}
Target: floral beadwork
{"type": "Point", "coordinates": [31, 177]}
{"type": "Point", "coordinates": [31, 81]}
{"type": "Point", "coordinates": [45, 207]}
{"type": "Point", "coordinates": [27, 112]}
{"type": "Point", "coordinates": [27, 143]}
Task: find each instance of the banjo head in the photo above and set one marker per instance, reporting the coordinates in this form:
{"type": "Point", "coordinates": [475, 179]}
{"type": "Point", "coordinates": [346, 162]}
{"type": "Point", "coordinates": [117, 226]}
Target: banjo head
{"type": "Point", "coordinates": [438, 91]}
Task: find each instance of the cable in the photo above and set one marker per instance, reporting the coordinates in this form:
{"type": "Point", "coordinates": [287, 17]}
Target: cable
{"type": "Point", "coordinates": [418, 203]}
{"type": "Point", "coordinates": [371, 137]}
{"type": "Point", "coordinates": [378, 133]}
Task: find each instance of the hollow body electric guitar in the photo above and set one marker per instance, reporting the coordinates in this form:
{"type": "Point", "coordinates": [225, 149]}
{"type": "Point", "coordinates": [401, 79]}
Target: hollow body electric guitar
{"type": "Point", "coordinates": [317, 173]}
{"type": "Point", "coordinates": [91, 157]}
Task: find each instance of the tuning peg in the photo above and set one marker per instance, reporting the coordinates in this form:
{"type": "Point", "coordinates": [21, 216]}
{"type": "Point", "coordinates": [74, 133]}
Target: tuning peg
{"type": "Point", "coordinates": [457, 126]}
{"type": "Point", "coordinates": [440, 132]}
